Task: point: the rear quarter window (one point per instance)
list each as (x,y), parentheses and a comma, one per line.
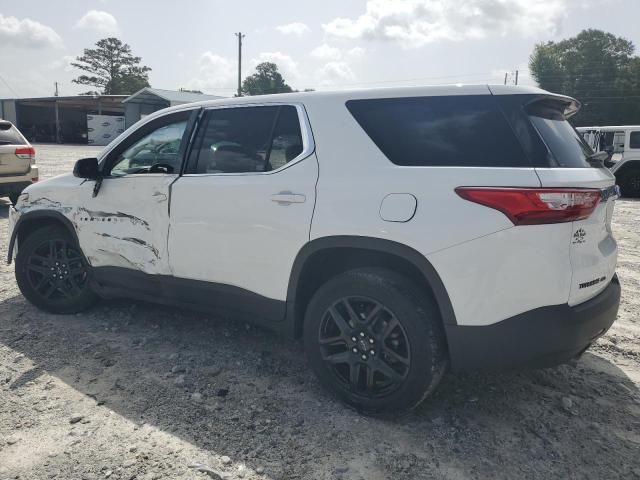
(460,131)
(566,146)
(9,135)
(634,140)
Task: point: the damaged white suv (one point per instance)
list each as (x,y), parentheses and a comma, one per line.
(398,231)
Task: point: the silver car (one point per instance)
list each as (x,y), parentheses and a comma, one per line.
(18,167)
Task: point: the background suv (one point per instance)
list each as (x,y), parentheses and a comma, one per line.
(17,162)
(397,231)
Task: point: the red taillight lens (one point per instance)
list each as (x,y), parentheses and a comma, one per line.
(26,153)
(536,206)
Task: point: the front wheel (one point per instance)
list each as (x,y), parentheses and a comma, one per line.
(375,340)
(51,272)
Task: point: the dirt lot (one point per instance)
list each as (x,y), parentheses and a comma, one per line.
(129,390)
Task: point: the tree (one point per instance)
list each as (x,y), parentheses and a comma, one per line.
(112,68)
(597,68)
(266,80)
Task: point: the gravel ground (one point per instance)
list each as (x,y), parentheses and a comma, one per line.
(130,390)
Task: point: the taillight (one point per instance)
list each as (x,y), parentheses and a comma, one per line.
(26,153)
(536,206)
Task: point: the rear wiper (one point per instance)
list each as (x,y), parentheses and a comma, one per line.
(597,159)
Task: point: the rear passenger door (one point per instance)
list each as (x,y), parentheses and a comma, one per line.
(242,210)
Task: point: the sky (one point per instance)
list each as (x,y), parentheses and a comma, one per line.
(328,44)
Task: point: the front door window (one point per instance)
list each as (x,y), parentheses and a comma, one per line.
(157,152)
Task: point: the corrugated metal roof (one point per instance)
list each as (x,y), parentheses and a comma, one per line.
(172,96)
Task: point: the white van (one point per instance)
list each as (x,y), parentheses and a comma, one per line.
(623,144)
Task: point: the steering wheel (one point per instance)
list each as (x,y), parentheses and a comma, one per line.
(155,168)
(161,168)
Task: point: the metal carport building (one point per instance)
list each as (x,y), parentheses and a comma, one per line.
(149,100)
(58,119)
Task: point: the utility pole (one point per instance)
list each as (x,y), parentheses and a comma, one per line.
(240,37)
(56,93)
(516,77)
(506,74)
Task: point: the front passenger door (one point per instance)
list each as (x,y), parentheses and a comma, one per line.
(126,224)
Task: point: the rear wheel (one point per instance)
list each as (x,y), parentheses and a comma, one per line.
(375,341)
(630,183)
(51,272)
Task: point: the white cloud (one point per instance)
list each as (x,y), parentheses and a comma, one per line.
(214,72)
(287,66)
(356,52)
(295,28)
(415,23)
(326,52)
(335,73)
(63,63)
(99,21)
(26,33)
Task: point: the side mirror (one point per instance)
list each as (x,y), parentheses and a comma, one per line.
(87,168)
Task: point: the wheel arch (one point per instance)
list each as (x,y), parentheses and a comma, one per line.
(31,221)
(325,257)
(626,166)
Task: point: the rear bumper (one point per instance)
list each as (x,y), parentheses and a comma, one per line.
(11,187)
(539,338)
(17,183)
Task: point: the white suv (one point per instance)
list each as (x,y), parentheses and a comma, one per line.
(398,231)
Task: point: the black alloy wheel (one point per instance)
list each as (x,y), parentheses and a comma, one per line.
(52,273)
(365,346)
(375,340)
(56,270)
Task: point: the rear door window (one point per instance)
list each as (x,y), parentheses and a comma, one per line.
(459,131)
(567,147)
(634,140)
(9,135)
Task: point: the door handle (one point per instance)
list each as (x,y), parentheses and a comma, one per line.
(287,198)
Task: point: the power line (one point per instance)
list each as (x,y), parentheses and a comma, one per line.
(9,86)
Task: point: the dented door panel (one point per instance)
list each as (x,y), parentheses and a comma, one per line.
(126,224)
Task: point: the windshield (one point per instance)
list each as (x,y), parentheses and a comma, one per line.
(567,146)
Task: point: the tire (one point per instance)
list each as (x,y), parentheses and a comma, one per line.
(399,353)
(14,197)
(47,253)
(630,183)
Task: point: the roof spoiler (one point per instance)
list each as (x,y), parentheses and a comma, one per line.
(571,105)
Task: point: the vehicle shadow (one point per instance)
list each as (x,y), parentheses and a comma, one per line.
(259,402)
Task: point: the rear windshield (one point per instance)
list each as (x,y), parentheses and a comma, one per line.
(459,131)
(566,145)
(9,135)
